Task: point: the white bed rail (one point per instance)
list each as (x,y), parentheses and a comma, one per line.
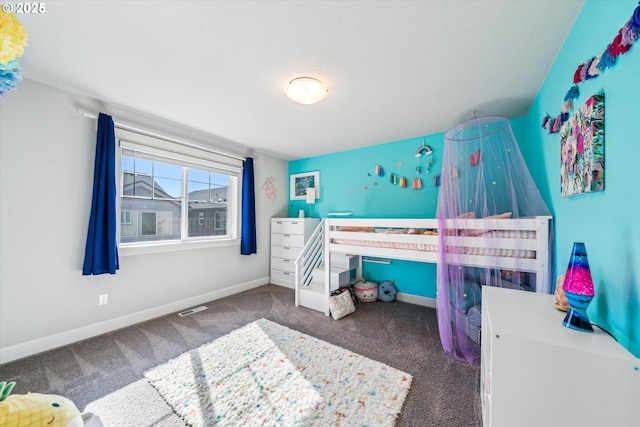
(338,241)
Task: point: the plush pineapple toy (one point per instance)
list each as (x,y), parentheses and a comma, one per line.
(34,409)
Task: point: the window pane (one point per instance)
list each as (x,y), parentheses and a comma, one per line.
(199,175)
(154,193)
(207,203)
(165,170)
(128,186)
(219,180)
(150,179)
(151,220)
(126,164)
(143,166)
(198,191)
(166,188)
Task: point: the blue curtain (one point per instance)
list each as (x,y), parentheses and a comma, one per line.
(248,236)
(101,252)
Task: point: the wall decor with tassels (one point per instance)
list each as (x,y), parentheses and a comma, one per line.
(594,67)
(424,151)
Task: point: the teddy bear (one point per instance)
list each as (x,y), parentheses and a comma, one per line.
(386,291)
(36,410)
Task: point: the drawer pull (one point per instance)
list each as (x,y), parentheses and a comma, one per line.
(287,235)
(286,272)
(286,247)
(286,260)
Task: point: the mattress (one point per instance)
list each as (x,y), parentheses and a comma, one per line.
(474,250)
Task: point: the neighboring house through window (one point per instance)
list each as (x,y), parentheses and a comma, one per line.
(173,193)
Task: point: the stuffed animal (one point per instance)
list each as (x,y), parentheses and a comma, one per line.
(561,298)
(386,291)
(36,410)
(366,291)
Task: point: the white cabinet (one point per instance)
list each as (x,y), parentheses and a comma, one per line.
(536,372)
(288,237)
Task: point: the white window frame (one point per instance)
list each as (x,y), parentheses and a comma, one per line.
(187,156)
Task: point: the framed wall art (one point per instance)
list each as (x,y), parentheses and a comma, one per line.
(300,182)
(582,149)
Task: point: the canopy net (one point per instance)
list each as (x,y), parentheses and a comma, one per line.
(483,175)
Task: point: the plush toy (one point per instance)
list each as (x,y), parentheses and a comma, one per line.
(561,298)
(386,291)
(366,291)
(35,409)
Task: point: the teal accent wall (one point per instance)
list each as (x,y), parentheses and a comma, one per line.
(348,183)
(608,222)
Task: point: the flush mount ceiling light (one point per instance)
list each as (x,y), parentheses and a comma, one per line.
(306,90)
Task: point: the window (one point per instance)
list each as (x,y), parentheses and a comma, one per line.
(169,196)
(128,223)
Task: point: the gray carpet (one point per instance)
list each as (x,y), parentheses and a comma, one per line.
(105,374)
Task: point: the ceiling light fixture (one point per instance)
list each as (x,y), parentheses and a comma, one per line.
(306,90)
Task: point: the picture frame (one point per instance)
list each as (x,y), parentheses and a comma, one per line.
(582,150)
(300,182)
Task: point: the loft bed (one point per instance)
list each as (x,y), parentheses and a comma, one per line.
(505,252)
(519,244)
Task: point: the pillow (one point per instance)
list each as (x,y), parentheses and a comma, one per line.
(479,232)
(500,216)
(355,228)
(467,215)
(341,305)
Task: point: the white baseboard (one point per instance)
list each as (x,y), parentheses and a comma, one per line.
(415,299)
(39,345)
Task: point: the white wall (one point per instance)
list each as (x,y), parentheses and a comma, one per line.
(46,174)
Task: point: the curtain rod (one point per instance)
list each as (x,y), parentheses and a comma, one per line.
(163,137)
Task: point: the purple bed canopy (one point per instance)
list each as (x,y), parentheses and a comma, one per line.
(483,175)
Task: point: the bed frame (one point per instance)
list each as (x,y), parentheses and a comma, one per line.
(412,246)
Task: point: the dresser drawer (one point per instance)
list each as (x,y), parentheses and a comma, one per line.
(284,264)
(286,278)
(288,252)
(296,240)
(287,226)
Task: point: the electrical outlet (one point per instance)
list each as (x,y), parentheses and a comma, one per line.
(103,299)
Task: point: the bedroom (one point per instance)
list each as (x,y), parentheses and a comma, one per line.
(40,275)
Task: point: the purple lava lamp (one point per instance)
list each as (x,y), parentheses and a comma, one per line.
(578,288)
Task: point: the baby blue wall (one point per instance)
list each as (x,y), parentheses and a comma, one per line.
(608,222)
(348,183)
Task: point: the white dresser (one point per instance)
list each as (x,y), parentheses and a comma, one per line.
(537,372)
(288,237)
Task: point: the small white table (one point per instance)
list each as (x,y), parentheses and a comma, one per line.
(537,372)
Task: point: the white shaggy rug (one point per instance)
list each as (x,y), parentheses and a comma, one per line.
(265,374)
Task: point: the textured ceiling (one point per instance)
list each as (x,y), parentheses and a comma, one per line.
(395,69)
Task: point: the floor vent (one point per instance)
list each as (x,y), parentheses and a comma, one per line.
(191,311)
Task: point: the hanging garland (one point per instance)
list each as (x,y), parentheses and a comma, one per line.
(13,39)
(395,179)
(620,45)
